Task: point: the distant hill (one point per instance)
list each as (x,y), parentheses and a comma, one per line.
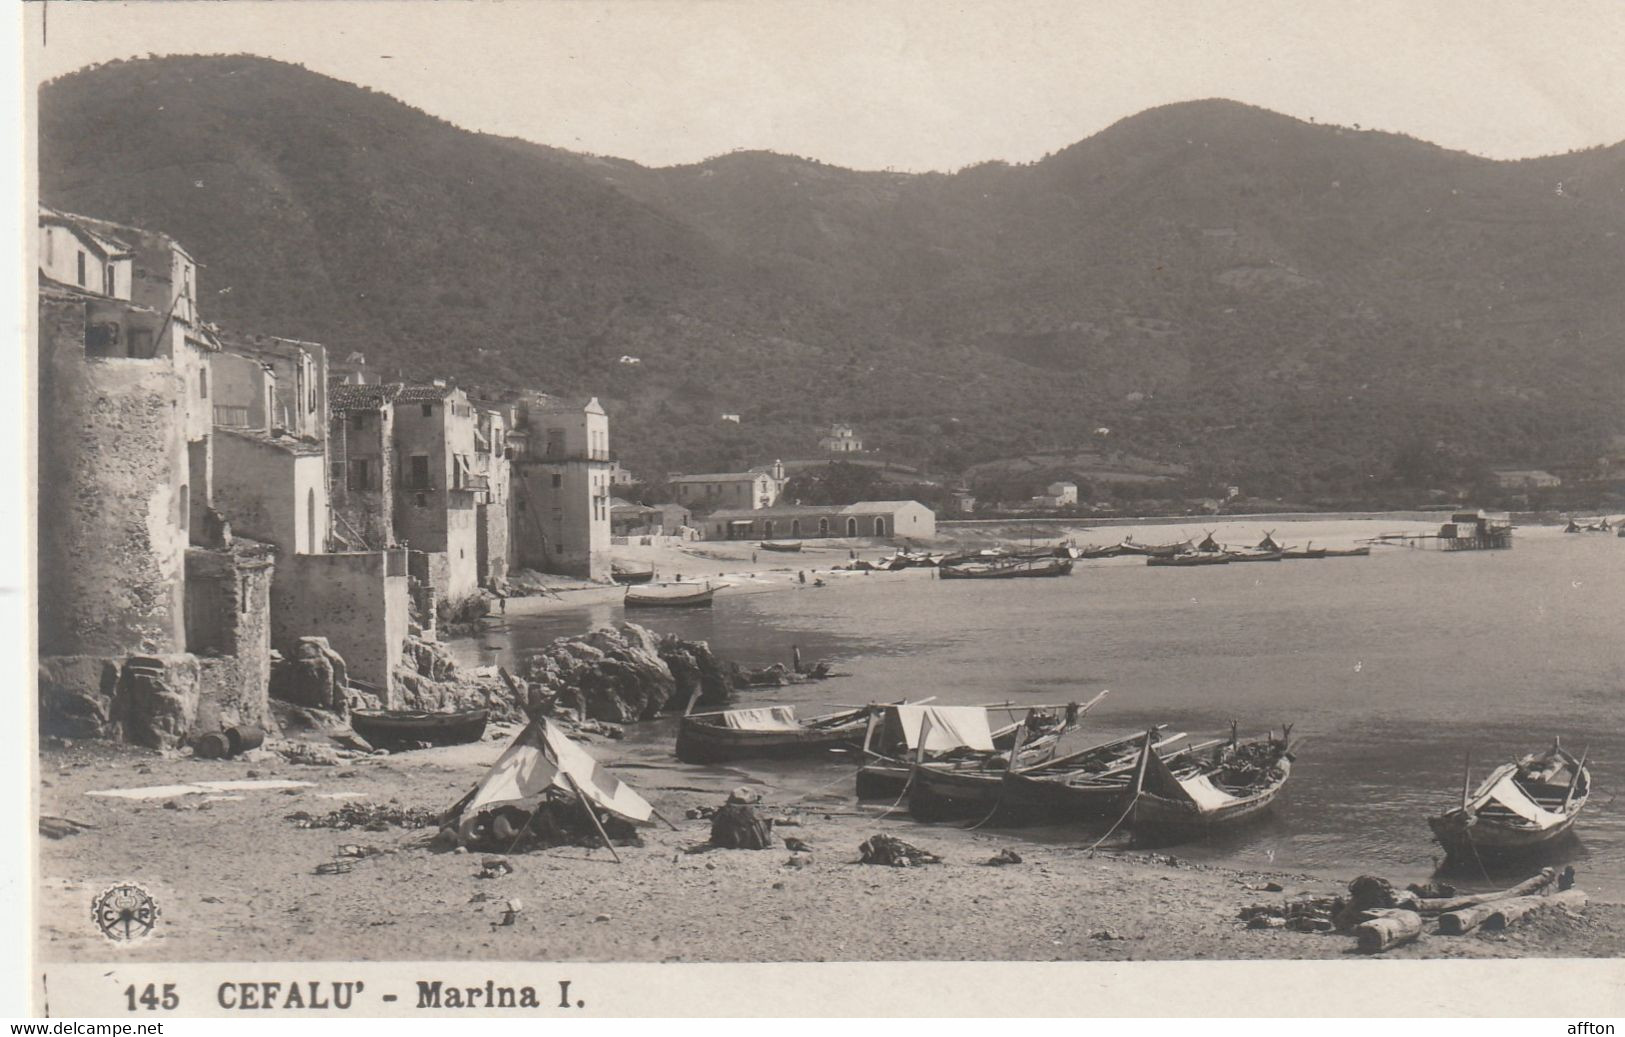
(1262,301)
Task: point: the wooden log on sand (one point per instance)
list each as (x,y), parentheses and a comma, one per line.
(1502,913)
(1528,887)
(1390,929)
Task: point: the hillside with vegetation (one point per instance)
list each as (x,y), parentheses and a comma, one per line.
(1234,294)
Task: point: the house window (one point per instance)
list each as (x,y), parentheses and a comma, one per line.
(420,471)
(423,500)
(81,270)
(242,595)
(107,279)
(851,527)
(428,410)
(558,481)
(880,527)
(203,382)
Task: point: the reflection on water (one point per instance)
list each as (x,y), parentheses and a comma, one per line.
(1391,668)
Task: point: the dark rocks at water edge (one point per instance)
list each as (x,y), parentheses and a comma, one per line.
(626,673)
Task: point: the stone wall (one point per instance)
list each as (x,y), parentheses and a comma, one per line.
(229,595)
(272,491)
(356,600)
(113,489)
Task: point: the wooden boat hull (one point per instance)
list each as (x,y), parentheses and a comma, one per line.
(1463,840)
(1303,553)
(1189,559)
(707,743)
(1101,552)
(1255,556)
(625,577)
(1025,569)
(887,777)
(1347,552)
(699,599)
(386,728)
(1162,819)
(780,545)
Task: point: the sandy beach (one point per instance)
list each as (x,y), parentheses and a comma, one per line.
(236,880)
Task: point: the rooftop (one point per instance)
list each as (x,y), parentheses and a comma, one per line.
(346,397)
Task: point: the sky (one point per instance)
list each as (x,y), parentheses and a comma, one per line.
(878,84)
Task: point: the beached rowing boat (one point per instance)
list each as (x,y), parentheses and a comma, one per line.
(630,576)
(670,595)
(1190,558)
(1006,569)
(1237,784)
(781,545)
(394,728)
(958,737)
(768,731)
(1085,785)
(1521,807)
(1129,546)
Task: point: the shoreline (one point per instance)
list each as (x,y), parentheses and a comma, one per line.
(237,882)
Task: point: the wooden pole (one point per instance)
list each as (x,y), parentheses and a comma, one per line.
(662,817)
(1528,887)
(1579,769)
(1390,930)
(1502,913)
(1467,780)
(592,815)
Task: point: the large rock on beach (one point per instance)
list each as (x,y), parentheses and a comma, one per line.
(428,677)
(159,696)
(613,674)
(314,676)
(78,696)
(695,668)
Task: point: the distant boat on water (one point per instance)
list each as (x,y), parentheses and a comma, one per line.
(670,595)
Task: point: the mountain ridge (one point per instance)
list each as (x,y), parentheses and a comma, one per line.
(1207,279)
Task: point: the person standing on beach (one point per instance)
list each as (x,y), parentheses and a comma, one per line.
(802,576)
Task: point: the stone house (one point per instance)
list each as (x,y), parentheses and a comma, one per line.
(436,486)
(885,520)
(561,486)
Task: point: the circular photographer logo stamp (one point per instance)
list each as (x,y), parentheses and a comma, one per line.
(124,913)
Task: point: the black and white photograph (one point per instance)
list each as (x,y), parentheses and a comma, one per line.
(654,483)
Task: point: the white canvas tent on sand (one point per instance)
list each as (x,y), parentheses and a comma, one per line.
(539,759)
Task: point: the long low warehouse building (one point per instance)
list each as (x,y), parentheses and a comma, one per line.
(886,519)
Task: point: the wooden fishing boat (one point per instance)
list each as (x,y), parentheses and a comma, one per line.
(781,545)
(1348,552)
(1254,555)
(1190,558)
(1006,569)
(630,576)
(1304,552)
(1129,546)
(888,759)
(1096,551)
(1520,808)
(1080,786)
(395,728)
(670,596)
(767,731)
(1238,783)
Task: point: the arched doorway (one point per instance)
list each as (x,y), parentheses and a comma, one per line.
(880,527)
(823,527)
(851,527)
(795,527)
(767,529)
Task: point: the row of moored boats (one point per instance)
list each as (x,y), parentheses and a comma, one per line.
(959,763)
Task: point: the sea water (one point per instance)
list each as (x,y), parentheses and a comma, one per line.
(1391,668)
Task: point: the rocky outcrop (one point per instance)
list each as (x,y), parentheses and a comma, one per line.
(606,674)
(159,696)
(78,696)
(623,674)
(314,676)
(696,668)
(429,678)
